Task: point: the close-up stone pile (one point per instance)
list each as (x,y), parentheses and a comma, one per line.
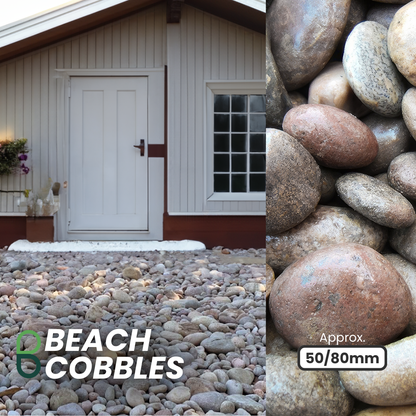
(341,195)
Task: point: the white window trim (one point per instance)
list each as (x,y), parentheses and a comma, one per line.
(225,87)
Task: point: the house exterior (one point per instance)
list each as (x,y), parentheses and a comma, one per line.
(150,115)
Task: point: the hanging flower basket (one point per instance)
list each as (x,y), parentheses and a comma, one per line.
(13,154)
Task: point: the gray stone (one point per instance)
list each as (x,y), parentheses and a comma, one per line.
(324,227)
(60,310)
(218,346)
(77,292)
(70,409)
(292,391)
(241,375)
(375,200)
(87,270)
(134,397)
(402,174)
(370,71)
(209,401)
(179,395)
(293,186)
(246,403)
(61,397)
(17,265)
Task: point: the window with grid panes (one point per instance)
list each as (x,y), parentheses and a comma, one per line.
(239,143)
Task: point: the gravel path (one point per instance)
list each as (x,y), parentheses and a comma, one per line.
(207,307)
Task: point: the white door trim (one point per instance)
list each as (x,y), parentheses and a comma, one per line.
(156,80)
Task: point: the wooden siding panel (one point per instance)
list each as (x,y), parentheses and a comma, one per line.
(27,117)
(44,118)
(99,48)
(52,124)
(19,180)
(3,131)
(211,49)
(10,131)
(199,113)
(190,104)
(183,119)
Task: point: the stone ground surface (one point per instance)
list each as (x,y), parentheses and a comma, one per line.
(208,307)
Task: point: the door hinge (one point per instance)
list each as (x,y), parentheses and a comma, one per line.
(69,89)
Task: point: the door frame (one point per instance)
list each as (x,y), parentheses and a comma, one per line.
(156,136)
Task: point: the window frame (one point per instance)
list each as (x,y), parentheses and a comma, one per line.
(232,88)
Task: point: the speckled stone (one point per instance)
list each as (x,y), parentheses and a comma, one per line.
(393,138)
(303,38)
(383,178)
(383,13)
(395,385)
(388,411)
(278,102)
(335,138)
(409,110)
(324,227)
(402,174)
(370,71)
(408,272)
(375,200)
(270,278)
(328,180)
(331,87)
(294,392)
(297,98)
(401,41)
(341,289)
(293,185)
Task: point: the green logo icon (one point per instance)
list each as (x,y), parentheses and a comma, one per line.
(20,355)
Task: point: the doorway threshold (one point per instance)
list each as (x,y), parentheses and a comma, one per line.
(120,246)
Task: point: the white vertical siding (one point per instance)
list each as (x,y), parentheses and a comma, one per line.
(29,94)
(203,48)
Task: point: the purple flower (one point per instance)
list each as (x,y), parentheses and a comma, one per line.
(23,157)
(24,168)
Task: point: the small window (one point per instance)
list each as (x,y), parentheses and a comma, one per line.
(239,143)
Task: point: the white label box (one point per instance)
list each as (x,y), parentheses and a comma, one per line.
(342,357)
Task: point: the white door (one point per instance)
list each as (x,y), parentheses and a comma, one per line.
(108,186)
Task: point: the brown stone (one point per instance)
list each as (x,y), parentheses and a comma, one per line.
(293,186)
(294,392)
(388,411)
(328,179)
(401,41)
(383,13)
(402,174)
(303,38)
(345,289)
(408,271)
(375,200)
(357,13)
(278,102)
(324,227)
(297,98)
(269,280)
(334,137)
(393,138)
(409,110)
(331,87)
(395,385)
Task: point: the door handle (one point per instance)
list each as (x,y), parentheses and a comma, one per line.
(141,147)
